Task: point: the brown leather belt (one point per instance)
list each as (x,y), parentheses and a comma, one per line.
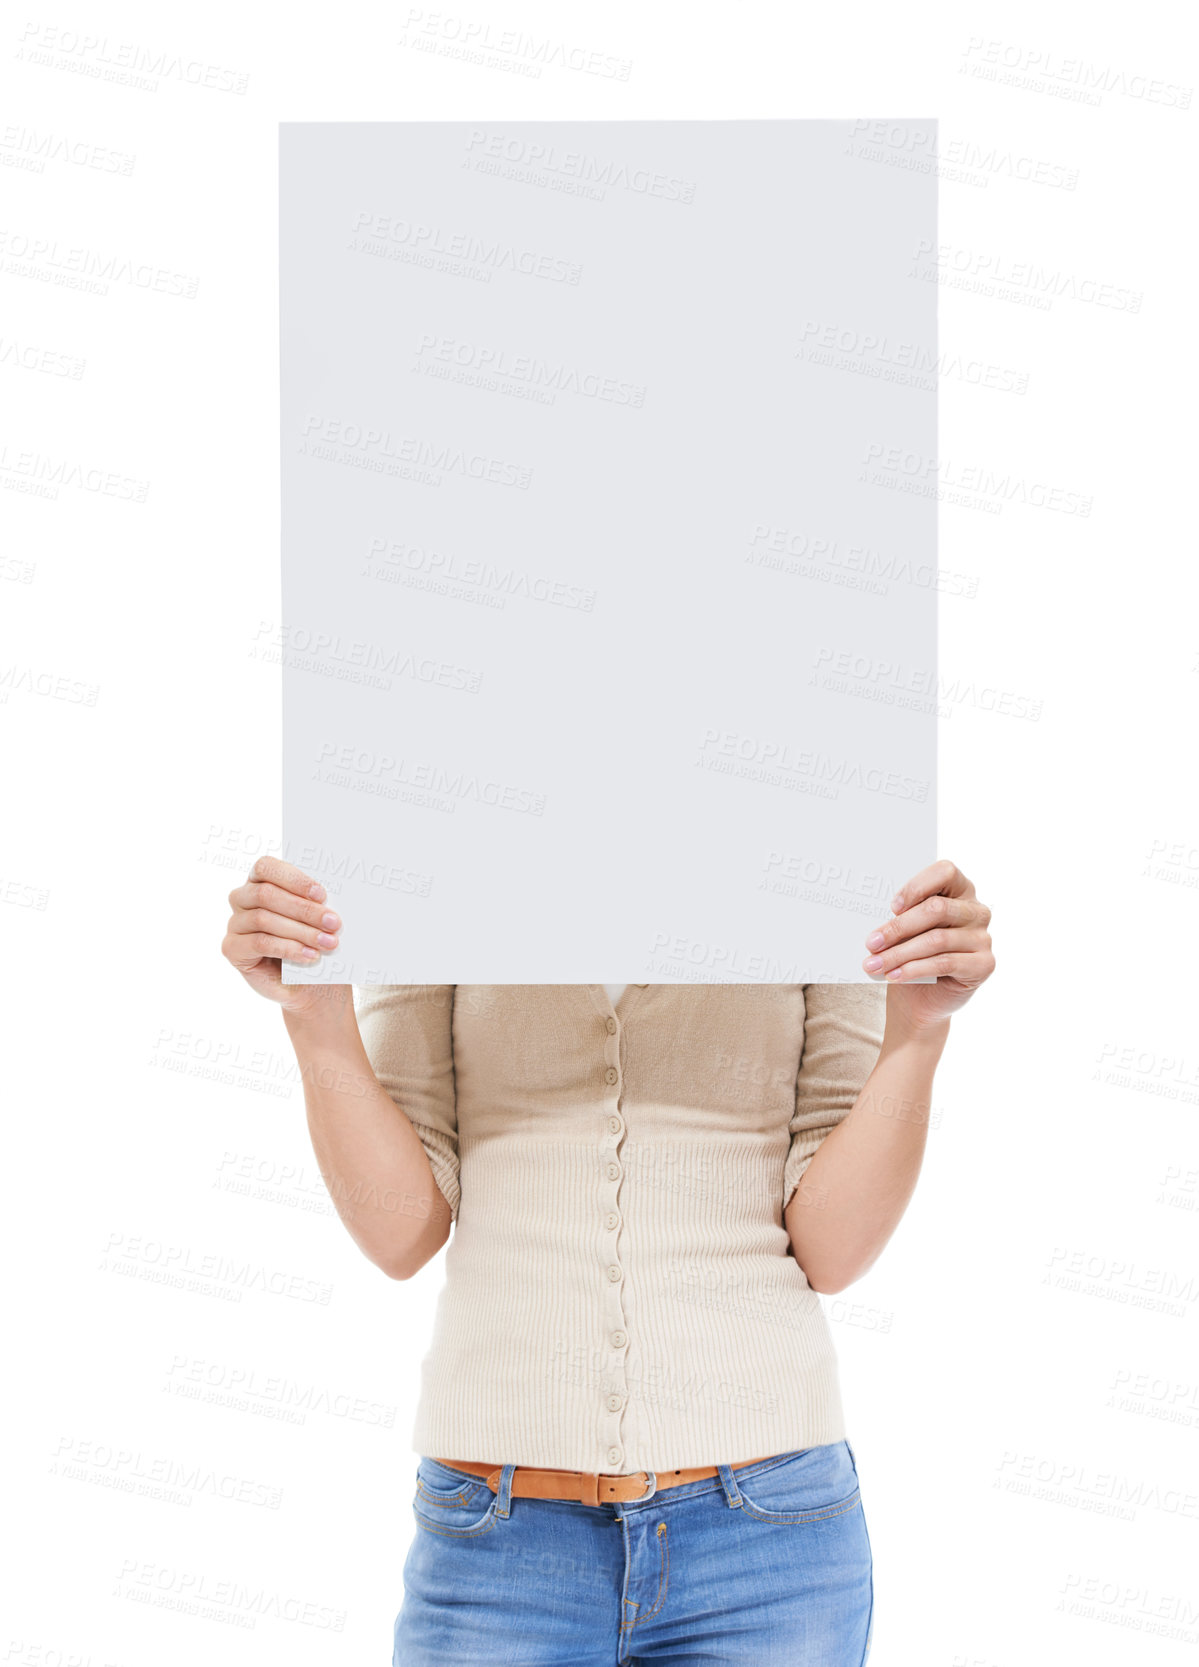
(588,1487)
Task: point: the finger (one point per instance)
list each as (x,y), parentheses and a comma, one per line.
(246,949)
(970,968)
(265,894)
(922,917)
(943,876)
(287,875)
(942,940)
(265,920)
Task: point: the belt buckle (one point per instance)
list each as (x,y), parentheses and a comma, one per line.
(644,1475)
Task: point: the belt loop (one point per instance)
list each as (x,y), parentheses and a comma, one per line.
(729,1482)
(503,1493)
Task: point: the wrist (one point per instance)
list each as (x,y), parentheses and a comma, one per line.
(325,1024)
(918,1038)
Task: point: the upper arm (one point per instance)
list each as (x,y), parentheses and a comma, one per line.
(843,1031)
(407,1031)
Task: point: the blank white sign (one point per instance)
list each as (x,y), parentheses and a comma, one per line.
(609,545)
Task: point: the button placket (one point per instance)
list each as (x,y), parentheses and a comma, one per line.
(612,1389)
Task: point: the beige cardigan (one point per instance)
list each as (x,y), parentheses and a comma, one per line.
(620,1292)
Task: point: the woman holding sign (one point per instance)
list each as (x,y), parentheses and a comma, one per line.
(631,1441)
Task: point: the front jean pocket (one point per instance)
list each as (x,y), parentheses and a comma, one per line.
(455,1505)
(812,1484)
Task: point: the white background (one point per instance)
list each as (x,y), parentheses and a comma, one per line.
(1021,1369)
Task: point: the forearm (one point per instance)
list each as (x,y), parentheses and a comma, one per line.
(372,1160)
(857,1187)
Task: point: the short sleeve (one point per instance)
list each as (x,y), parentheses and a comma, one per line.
(407,1031)
(843,1032)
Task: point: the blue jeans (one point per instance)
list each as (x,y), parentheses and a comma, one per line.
(765,1564)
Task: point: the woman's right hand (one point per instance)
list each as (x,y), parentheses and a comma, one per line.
(281,914)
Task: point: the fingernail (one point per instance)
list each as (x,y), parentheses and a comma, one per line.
(325,940)
(317,892)
(875,941)
(330,921)
(896,972)
(897,903)
(308,954)
(874,963)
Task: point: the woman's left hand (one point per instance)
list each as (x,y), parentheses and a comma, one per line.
(940,928)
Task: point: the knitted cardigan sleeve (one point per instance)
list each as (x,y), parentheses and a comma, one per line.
(843,1031)
(407,1031)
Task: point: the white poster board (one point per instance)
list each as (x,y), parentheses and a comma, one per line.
(609,545)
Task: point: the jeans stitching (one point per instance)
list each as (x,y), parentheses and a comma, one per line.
(448,1499)
(663,1577)
(799,1517)
(458,1533)
(458,1501)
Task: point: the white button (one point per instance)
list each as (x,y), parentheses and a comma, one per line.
(611,1219)
(614,1403)
(611,1023)
(614,1273)
(618,1339)
(611,1074)
(613,1171)
(614,1455)
(614,1124)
